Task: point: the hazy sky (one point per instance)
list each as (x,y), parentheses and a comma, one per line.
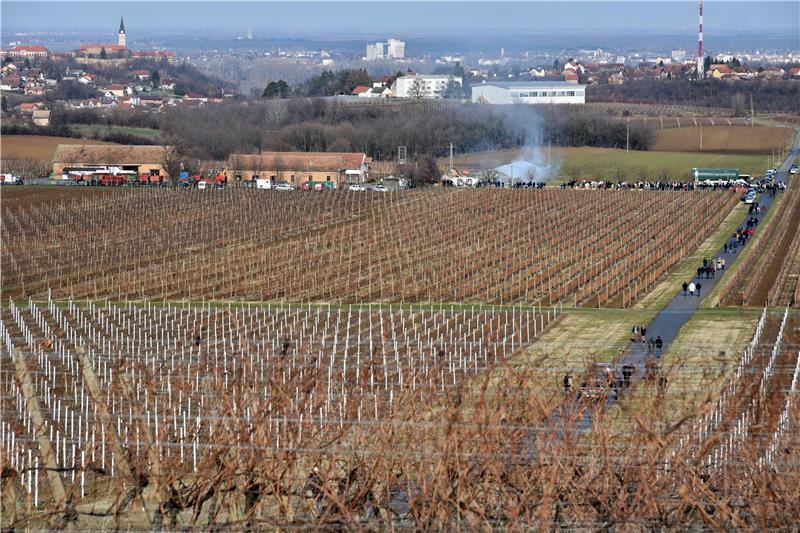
(407,18)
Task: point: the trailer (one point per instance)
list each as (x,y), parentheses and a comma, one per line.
(718,176)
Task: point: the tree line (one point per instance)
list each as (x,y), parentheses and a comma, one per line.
(425,129)
(767,95)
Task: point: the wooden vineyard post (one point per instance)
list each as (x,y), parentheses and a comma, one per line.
(97,395)
(32,404)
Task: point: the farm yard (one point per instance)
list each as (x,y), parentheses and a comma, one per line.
(246,359)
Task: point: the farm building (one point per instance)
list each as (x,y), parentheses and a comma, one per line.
(300,167)
(529,92)
(86,158)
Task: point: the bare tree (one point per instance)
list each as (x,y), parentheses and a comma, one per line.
(417,89)
(172,162)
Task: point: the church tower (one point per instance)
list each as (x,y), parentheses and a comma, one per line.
(121,40)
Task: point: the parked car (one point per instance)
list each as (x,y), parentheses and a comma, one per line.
(793,169)
(358,188)
(283,187)
(11,179)
(380,188)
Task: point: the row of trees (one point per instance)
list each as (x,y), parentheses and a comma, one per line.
(767,95)
(214,132)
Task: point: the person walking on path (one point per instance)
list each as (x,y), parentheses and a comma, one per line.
(685,287)
(691,289)
(567,382)
(659,346)
(698,287)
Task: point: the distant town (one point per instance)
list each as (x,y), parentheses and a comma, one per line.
(123,76)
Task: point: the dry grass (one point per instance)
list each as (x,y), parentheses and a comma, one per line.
(40,147)
(724,139)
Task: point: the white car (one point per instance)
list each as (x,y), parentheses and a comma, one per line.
(380,188)
(793,169)
(283,187)
(358,188)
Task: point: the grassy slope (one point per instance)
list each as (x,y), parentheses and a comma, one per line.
(579,338)
(696,365)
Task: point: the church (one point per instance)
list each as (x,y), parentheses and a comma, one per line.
(112,50)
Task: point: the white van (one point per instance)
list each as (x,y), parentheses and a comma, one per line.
(262,183)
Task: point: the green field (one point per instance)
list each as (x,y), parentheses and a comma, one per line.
(90,130)
(615,164)
(611,164)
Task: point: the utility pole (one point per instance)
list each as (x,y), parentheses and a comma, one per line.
(701,137)
(627,136)
(752,116)
(451,158)
(548,154)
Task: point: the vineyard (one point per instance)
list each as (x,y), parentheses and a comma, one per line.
(770,273)
(248,360)
(209,416)
(581,248)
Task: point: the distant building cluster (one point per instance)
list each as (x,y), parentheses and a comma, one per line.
(392,49)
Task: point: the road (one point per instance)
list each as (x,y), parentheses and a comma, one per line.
(681,308)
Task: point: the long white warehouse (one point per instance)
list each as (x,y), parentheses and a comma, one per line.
(529,92)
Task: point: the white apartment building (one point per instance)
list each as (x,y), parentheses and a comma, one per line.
(427,86)
(679,55)
(397,49)
(393,49)
(375,51)
(529,92)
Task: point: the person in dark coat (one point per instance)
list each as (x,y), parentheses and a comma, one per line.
(685,287)
(659,345)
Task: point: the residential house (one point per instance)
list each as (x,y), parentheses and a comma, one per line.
(28,108)
(362,91)
(115,90)
(87,79)
(381,92)
(720,71)
(141,75)
(41,117)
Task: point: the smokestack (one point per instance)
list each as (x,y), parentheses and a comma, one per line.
(700,60)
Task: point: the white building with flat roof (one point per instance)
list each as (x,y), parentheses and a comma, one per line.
(375,51)
(396,49)
(529,92)
(393,49)
(428,86)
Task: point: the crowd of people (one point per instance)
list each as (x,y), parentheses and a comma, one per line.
(648,185)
